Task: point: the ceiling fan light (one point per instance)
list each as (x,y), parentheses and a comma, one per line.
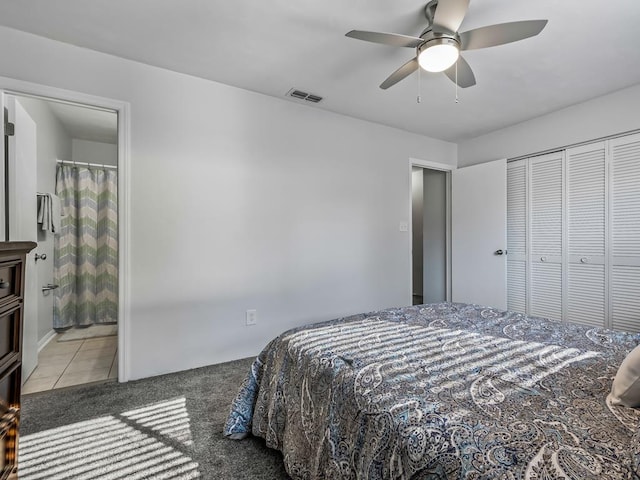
(438,55)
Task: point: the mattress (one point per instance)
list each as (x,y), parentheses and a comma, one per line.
(441,391)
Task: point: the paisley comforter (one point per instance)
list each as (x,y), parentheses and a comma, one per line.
(441,391)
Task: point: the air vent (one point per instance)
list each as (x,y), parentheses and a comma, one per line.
(300,95)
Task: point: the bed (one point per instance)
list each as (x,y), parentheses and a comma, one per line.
(442,391)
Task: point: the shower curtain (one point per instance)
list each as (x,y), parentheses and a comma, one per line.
(86,250)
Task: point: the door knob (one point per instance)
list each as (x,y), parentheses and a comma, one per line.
(500,252)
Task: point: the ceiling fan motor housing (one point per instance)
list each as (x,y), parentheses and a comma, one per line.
(432,38)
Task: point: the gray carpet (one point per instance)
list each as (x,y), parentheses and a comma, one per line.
(117,426)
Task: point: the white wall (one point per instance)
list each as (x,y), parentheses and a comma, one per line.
(53,143)
(242,201)
(607,115)
(94,152)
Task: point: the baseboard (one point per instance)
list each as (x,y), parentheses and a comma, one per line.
(46,339)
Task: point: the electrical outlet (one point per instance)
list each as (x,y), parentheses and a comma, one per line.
(404,226)
(252,317)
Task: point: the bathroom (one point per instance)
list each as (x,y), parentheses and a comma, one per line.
(70,337)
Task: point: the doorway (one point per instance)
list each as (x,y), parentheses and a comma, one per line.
(71,336)
(431,233)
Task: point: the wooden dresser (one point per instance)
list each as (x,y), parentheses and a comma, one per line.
(12,268)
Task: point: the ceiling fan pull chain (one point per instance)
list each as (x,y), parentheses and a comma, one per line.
(457,82)
(419,98)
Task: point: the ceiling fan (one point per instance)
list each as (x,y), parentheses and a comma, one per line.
(438,47)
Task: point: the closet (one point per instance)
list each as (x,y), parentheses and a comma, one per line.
(573,234)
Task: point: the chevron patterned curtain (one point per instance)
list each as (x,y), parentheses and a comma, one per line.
(86,250)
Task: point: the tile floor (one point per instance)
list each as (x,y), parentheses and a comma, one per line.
(62,364)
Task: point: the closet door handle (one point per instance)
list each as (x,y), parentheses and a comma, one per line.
(500,252)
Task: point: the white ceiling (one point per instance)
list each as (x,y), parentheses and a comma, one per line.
(86,123)
(588,49)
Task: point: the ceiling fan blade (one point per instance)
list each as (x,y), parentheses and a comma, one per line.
(466,78)
(393,39)
(500,34)
(404,71)
(449,15)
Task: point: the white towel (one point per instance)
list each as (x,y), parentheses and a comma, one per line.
(43,210)
(49,212)
(40,210)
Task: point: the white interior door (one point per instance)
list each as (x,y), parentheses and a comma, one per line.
(625,234)
(546,278)
(586,212)
(478,231)
(517,284)
(22,219)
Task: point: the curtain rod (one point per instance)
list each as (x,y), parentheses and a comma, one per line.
(572,145)
(85,164)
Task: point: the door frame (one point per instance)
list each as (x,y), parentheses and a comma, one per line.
(428,164)
(10,86)
(21,161)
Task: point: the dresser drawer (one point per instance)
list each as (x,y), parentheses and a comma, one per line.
(10,282)
(9,390)
(10,336)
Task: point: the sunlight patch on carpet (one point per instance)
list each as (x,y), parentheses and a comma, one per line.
(109,448)
(169,419)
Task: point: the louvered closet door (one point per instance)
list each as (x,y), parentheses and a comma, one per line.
(545,285)
(625,233)
(517,236)
(586,213)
